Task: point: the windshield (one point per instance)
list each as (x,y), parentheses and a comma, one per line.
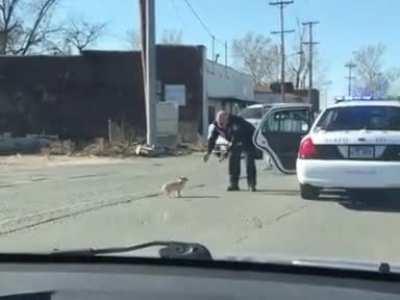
(364,117)
(108,136)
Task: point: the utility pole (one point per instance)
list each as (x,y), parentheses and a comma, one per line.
(282,32)
(150,71)
(213,48)
(350,78)
(311,45)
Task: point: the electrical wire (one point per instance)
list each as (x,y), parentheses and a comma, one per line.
(206,28)
(203,24)
(176,10)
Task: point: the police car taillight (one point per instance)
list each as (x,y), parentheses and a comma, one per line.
(307,149)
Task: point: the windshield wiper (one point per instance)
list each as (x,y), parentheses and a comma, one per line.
(383,267)
(169,250)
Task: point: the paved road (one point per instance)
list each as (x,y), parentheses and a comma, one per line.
(64,206)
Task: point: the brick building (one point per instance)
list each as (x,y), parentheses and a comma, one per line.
(75,96)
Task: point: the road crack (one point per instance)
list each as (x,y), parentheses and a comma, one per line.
(33,220)
(258,224)
(289,213)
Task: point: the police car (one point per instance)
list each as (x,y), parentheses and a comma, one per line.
(254,113)
(352,145)
(280,132)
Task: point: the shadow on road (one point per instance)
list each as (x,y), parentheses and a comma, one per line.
(378,201)
(199,197)
(279,192)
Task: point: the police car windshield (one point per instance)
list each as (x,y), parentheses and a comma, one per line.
(360,117)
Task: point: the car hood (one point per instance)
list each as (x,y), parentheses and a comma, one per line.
(365,137)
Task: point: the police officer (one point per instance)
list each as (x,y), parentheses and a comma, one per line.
(239,133)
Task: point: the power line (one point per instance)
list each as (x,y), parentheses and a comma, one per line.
(176,10)
(214,39)
(203,24)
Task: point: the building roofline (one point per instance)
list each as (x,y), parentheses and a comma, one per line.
(97,51)
(228,67)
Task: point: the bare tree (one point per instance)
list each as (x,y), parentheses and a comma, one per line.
(25,25)
(321,71)
(172,37)
(81,34)
(372,78)
(297,62)
(257,55)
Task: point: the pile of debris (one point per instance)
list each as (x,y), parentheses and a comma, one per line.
(154,151)
(192,147)
(59,148)
(100,147)
(122,149)
(196,145)
(97,148)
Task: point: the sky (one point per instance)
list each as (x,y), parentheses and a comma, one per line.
(345,25)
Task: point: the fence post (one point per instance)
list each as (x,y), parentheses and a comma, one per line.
(110,131)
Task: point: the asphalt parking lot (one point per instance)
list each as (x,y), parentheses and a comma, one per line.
(94,202)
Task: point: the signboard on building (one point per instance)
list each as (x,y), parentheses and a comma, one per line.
(176,94)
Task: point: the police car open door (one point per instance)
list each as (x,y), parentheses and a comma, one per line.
(280,133)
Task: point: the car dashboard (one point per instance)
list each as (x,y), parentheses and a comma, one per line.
(106,278)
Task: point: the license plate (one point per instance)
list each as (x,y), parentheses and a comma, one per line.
(358,152)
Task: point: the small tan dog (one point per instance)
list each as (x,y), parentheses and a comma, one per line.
(174,187)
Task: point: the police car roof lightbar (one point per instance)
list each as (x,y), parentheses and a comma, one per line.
(353,98)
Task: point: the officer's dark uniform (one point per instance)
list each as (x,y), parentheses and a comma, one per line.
(239,133)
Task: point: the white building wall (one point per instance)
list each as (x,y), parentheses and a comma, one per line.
(226,82)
